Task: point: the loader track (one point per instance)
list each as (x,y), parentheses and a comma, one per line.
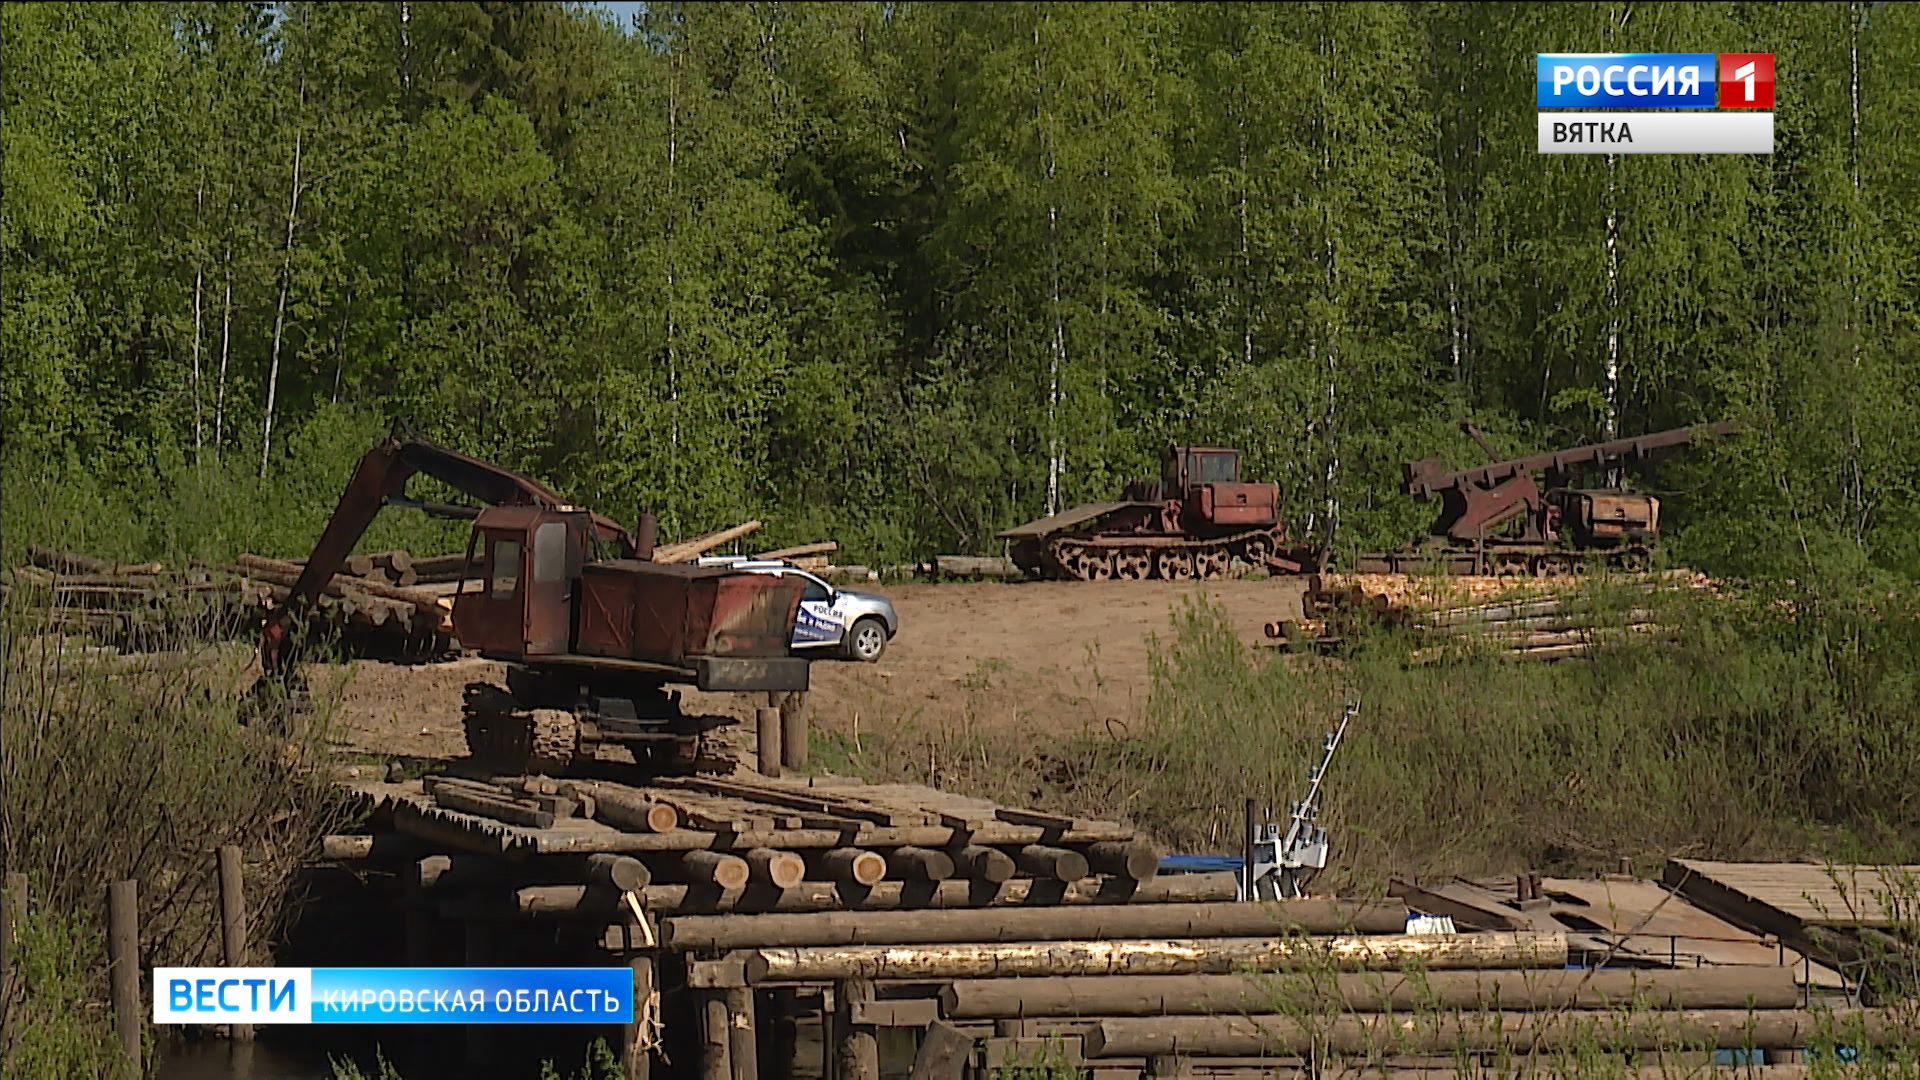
(1504,561)
(511,737)
(1100,558)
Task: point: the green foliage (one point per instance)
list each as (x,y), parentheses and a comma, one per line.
(908,274)
(58,1025)
(139,769)
(1775,725)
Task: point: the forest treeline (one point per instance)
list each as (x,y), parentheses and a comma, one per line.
(905,274)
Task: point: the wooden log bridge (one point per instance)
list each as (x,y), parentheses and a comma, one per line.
(1255,1036)
(1369,992)
(1195,920)
(1212,956)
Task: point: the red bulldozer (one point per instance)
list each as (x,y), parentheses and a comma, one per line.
(1193,522)
(591,630)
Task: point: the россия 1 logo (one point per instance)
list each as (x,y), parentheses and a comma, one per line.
(1680,103)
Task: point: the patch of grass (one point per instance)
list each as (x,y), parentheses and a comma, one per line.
(140,768)
(1778,725)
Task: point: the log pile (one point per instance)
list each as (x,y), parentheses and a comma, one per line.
(134,608)
(817,558)
(750,906)
(148,607)
(1519,619)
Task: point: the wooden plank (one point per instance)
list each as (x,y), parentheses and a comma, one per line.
(901,1012)
(943,1055)
(824,547)
(834,805)
(1035,819)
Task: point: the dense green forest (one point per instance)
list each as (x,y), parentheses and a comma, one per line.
(905,274)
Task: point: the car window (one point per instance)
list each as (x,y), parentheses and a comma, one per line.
(815,591)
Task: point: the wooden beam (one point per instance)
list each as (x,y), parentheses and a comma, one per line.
(1476,991)
(1162,957)
(987,925)
(1496,1033)
(820,896)
(943,1055)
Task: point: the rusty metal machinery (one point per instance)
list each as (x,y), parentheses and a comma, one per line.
(1194,522)
(1497,519)
(592,630)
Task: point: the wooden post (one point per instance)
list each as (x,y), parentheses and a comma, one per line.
(636,1047)
(123,966)
(793,731)
(13,908)
(780,1030)
(767,724)
(715,1039)
(233,921)
(743,1048)
(856,1049)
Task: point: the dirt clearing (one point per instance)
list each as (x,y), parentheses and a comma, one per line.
(1057,656)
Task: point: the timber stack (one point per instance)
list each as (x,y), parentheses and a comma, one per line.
(146,607)
(1518,619)
(953,938)
(133,607)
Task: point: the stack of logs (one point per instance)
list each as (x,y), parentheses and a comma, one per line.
(135,607)
(986,938)
(1559,625)
(387,604)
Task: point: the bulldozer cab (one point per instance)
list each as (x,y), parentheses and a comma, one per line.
(522,604)
(1183,467)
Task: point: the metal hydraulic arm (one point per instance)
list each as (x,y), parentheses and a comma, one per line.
(382,476)
(1476,501)
(1428,477)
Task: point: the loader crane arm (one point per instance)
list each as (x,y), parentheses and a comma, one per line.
(382,475)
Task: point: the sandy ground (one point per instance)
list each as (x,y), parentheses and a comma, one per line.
(1065,655)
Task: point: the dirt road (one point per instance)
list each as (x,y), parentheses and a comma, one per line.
(1061,655)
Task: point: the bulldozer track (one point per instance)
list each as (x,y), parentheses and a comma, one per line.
(1100,558)
(1514,561)
(512,737)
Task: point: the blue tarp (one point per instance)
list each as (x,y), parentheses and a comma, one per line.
(1199,864)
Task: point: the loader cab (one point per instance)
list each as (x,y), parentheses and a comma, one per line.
(1183,467)
(521,604)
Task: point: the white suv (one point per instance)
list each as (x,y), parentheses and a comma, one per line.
(857,625)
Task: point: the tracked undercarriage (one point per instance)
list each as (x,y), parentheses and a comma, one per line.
(541,724)
(1496,559)
(1140,558)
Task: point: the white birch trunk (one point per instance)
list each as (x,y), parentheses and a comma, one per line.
(286,283)
(226,351)
(1857,482)
(1332,479)
(1057,353)
(1610,423)
(199,310)
(673,326)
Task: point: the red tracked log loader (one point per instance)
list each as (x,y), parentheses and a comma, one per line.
(593,631)
(1496,519)
(1191,523)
